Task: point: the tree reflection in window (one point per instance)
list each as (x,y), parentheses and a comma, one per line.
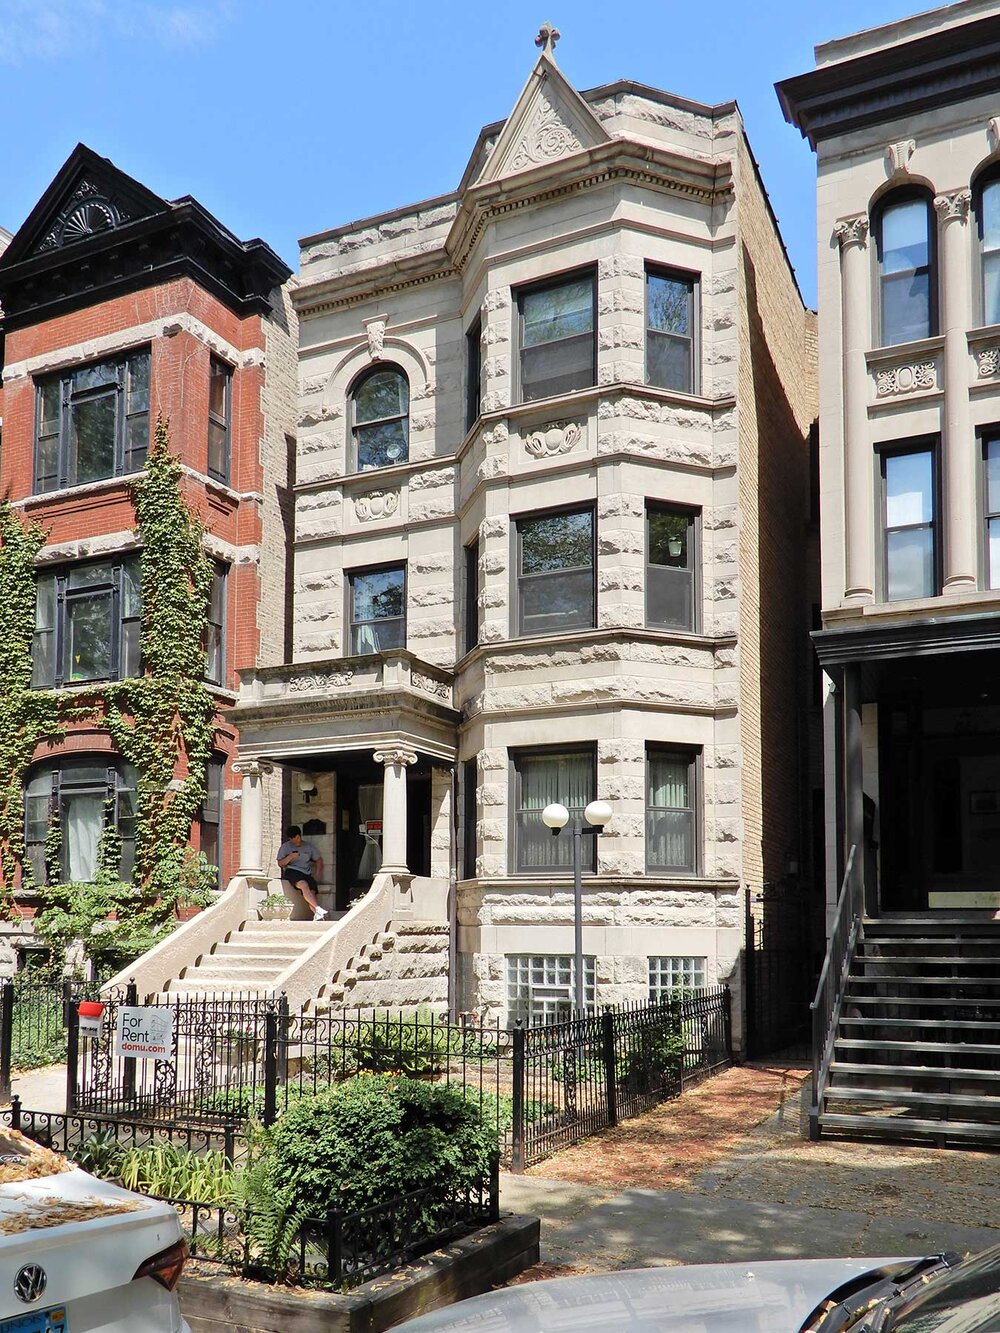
(555,572)
(87,623)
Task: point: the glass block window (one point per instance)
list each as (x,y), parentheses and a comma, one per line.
(675,972)
(557,346)
(540,987)
(380,406)
(92,423)
(541,778)
(670,331)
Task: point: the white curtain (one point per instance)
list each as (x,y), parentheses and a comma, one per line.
(84,816)
(370,807)
(566,778)
(670,822)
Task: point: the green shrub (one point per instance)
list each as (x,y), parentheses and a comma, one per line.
(169,1172)
(37,1033)
(101,1154)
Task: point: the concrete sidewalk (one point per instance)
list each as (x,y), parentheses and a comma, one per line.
(770,1195)
(42,1089)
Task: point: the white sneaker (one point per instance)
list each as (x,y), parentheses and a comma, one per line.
(319,913)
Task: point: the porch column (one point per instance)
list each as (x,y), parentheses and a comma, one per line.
(859,501)
(396,759)
(854,779)
(959,463)
(253,771)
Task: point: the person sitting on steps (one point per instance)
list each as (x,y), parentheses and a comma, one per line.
(301,866)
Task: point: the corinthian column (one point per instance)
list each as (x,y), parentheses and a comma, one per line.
(253,772)
(958,512)
(859,502)
(396,759)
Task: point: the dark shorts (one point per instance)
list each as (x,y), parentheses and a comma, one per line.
(296,877)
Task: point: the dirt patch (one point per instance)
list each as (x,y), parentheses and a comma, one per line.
(669,1146)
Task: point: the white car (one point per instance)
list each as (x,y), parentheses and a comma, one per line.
(78,1255)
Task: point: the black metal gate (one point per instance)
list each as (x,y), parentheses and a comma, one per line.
(784,952)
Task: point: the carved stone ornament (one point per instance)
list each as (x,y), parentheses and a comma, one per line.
(906,379)
(898,156)
(375,329)
(956,205)
(375,504)
(253,768)
(87,211)
(395,754)
(852,231)
(440,688)
(988,361)
(993,131)
(547,37)
(559,438)
(319,681)
(545,138)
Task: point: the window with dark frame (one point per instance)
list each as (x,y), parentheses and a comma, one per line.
(557,346)
(555,572)
(991,508)
(380,410)
(670,331)
(220,410)
(471,596)
(988,223)
(92,422)
(215,629)
(81,797)
(377,609)
(905,241)
(910,528)
(211,815)
(541,777)
(671,810)
(670,567)
(473,372)
(469,812)
(86,623)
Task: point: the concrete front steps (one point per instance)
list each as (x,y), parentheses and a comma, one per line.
(251,958)
(405,966)
(917,1054)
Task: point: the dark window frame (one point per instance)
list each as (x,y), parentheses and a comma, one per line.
(470,811)
(216,630)
(987,435)
(693,282)
(517,520)
(369,372)
(695,807)
(907,195)
(223,423)
(124,457)
(211,816)
(472,625)
(350,575)
(589,273)
(896,449)
(112,788)
(588,852)
(693,516)
(64,599)
(473,372)
(990,176)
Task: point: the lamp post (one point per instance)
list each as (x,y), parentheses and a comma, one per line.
(556,817)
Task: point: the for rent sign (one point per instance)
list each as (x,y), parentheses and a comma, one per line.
(144,1033)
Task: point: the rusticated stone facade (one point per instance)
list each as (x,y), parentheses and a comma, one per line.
(616,183)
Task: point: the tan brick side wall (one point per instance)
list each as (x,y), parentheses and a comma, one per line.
(777,404)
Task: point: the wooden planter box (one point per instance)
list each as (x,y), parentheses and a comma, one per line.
(477,1263)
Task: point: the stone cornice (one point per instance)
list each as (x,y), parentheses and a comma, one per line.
(926,637)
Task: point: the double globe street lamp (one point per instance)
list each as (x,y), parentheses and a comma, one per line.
(595,818)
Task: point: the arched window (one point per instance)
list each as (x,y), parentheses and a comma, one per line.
(81,797)
(905,240)
(380,408)
(988,221)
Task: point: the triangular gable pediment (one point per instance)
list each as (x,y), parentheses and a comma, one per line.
(87,197)
(550,121)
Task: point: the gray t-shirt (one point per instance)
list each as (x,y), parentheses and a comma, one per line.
(306,858)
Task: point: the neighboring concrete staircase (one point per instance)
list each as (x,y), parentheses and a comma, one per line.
(917,1050)
(405,966)
(249,959)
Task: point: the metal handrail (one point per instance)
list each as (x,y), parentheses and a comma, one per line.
(825,1007)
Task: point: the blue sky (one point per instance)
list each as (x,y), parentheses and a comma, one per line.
(285,117)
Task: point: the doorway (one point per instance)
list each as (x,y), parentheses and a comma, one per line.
(359,825)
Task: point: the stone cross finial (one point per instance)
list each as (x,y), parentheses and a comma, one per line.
(547,37)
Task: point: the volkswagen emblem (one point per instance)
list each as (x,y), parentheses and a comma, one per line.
(30,1283)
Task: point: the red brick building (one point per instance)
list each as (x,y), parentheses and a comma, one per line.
(119,306)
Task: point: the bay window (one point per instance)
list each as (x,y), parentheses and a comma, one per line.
(557,348)
(555,572)
(670,567)
(541,777)
(671,811)
(670,331)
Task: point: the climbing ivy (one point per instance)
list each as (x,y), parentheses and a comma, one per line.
(162,723)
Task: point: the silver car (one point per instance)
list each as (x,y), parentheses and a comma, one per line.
(937,1294)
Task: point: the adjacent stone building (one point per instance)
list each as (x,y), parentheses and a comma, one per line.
(551,498)
(118,307)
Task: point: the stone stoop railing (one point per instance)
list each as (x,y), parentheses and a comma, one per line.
(351,962)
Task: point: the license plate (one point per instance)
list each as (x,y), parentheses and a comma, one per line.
(40,1321)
